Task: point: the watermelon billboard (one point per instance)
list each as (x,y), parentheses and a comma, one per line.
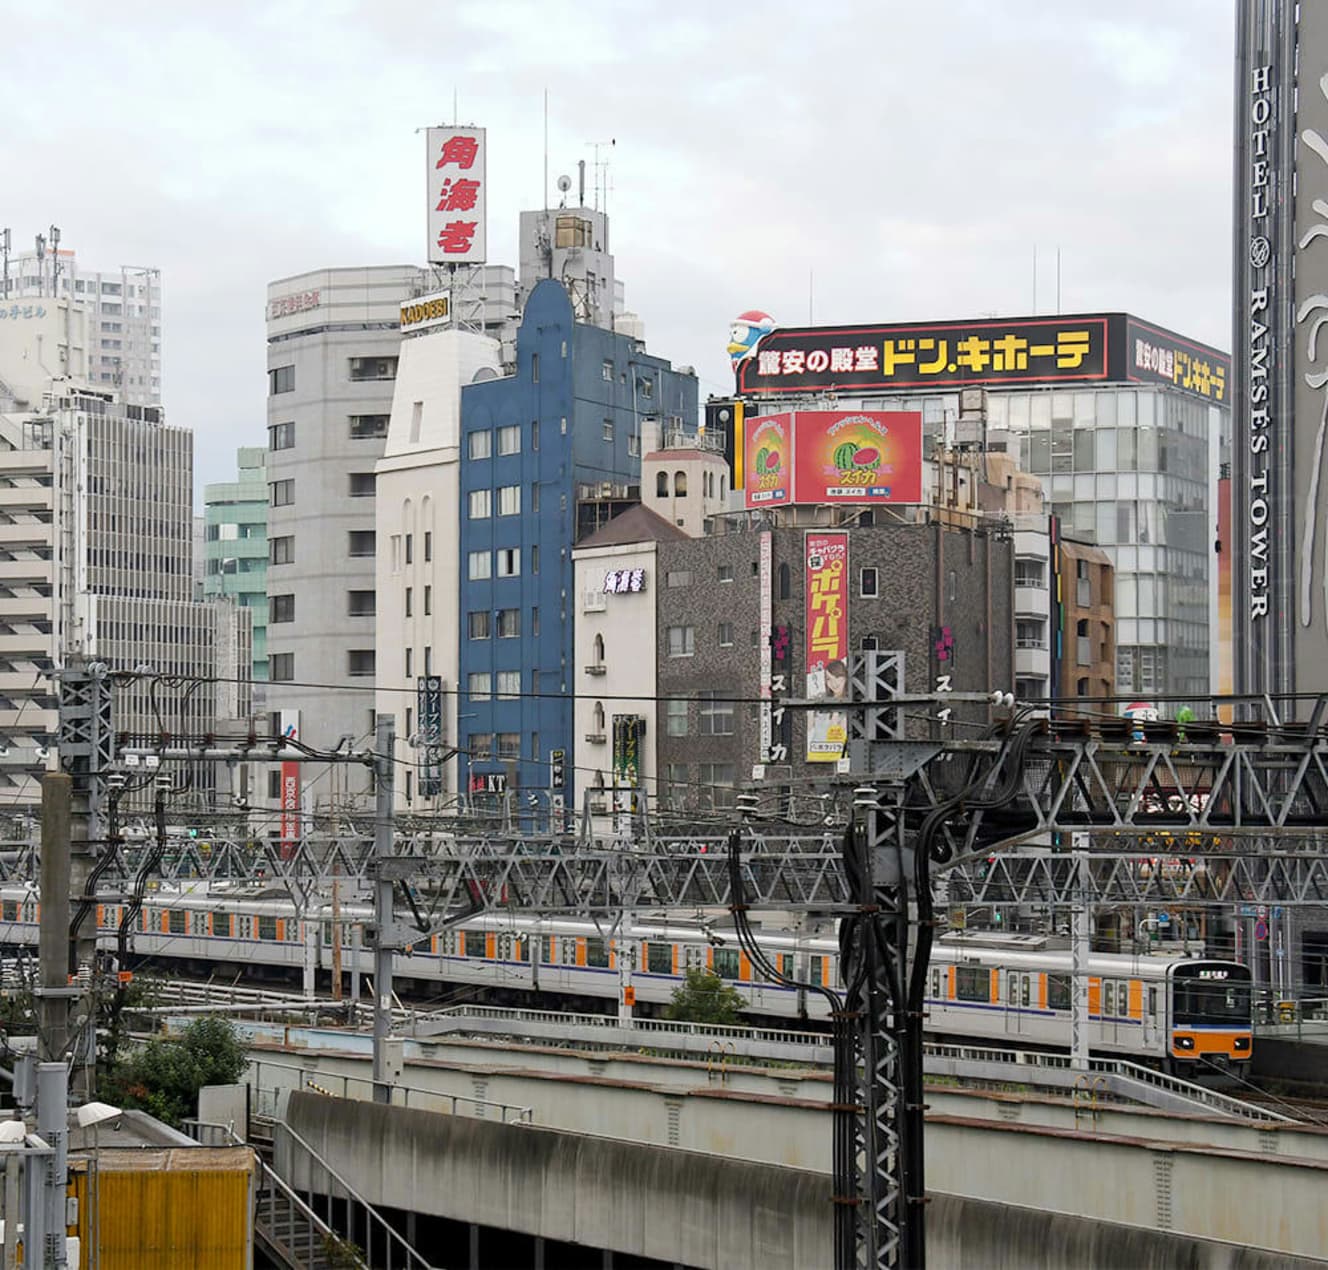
(833,456)
(857,456)
(768,460)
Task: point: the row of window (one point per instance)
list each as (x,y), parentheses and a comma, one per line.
(282,493)
(281,550)
(712,788)
(479,445)
(482,746)
(480,684)
(281,608)
(480,504)
(281,436)
(281,666)
(282,378)
(505,623)
(480,564)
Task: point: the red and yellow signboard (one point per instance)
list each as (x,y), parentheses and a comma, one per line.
(768,459)
(833,456)
(857,456)
(827,643)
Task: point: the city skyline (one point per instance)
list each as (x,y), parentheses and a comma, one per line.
(226,183)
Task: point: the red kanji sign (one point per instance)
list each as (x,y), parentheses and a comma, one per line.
(456,179)
(457,196)
(456,236)
(460,150)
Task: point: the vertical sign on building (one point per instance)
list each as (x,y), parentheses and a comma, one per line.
(826,583)
(429,712)
(290,808)
(1310,359)
(1265,448)
(765,623)
(456,185)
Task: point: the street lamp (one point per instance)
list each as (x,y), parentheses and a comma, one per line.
(91,1115)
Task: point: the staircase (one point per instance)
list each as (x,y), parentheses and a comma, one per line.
(296,1226)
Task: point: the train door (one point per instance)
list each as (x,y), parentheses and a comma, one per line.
(1018,996)
(1151,1022)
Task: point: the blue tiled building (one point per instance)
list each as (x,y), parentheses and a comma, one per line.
(539,450)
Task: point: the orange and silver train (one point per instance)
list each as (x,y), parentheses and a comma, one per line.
(1189,1014)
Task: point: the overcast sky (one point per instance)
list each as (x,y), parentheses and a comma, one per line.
(909,157)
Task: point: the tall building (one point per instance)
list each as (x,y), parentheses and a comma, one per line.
(235,547)
(334,338)
(95,559)
(540,449)
(123,308)
(1118,418)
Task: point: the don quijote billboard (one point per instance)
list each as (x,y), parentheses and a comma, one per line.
(833,456)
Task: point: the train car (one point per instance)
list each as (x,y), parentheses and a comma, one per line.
(1186,1014)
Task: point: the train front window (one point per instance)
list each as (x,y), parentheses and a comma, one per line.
(1211,994)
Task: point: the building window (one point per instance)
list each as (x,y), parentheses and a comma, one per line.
(373,368)
(534,622)
(678,577)
(481,746)
(479,685)
(509,745)
(509,623)
(509,500)
(410,661)
(606,372)
(716,714)
(509,439)
(681,641)
(534,558)
(410,548)
(281,379)
(428,545)
(477,623)
(509,562)
(410,596)
(281,550)
(534,497)
(478,443)
(597,651)
(726,634)
(361,603)
(608,429)
(509,684)
(680,484)
(480,504)
(675,716)
(281,436)
(360,662)
(1081,687)
(634,445)
(428,601)
(726,573)
(280,608)
(1029,573)
(784,582)
(534,368)
(363,427)
(1029,634)
(867,584)
(534,435)
(716,782)
(281,493)
(281,667)
(361,485)
(661,485)
(479,565)
(428,659)
(360,542)
(676,776)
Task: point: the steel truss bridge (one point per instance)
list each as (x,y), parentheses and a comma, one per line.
(1034,813)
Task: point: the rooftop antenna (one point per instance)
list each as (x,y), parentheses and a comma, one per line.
(4,253)
(601,170)
(565,184)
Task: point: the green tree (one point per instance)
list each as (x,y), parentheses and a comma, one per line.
(164,1076)
(704,997)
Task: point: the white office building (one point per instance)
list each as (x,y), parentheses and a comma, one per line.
(123,315)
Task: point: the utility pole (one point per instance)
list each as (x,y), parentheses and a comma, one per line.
(53,990)
(384,758)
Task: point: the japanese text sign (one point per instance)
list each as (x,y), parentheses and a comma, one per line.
(826,582)
(1017,351)
(456,189)
(1156,356)
(624,581)
(768,459)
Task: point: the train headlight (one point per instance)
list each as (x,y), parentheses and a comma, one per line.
(1241,1043)
(1184,1042)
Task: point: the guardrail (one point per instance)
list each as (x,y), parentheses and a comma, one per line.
(272,1082)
